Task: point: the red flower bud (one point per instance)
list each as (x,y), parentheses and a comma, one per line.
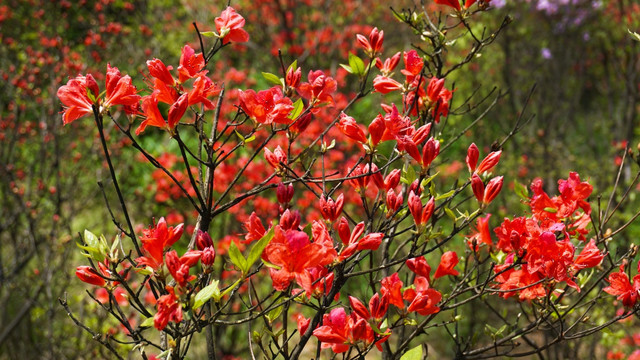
(477,186)
(177,110)
(429,152)
(489,162)
(472,157)
(208,256)
(376,130)
(492,190)
(301,124)
(89,275)
(384,85)
(203,240)
(343,230)
(293,77)
(406,144)
(370,241)
(276,157)
(415,207)
(290,220)
(421,134)
(329,209)
(393,179)
(415,187)
(284,193)
(350,127)
(393,202)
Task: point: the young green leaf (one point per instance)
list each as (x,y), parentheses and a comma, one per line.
(258,248)
(272,78)
(413,354)
(210,291)
(237,259)
(356,64)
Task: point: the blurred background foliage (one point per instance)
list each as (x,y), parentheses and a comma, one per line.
(576,53)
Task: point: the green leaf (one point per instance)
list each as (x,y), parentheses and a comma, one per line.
(237,259)
(551,210)
(230,288)
(521,190)
(273,314)
(634,34)
(446,195)
(413,354)
(258,248)
(272,78)
(298,107)
(210,291)
(91,240)
(356,64)
(209,34)
(348,68)
(148,322)
(450,214)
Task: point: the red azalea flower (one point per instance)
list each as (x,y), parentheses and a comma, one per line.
(266,107)
(169,309)
(293,253)
(619,286)
(420,266)
(318,89)
(120,90)
(350,127)
(74,97)
(392,288)
(155,240)
(229,26)
(589,257)
(191,64)
(481,235)
(453,3)
(160,71)
(447,263)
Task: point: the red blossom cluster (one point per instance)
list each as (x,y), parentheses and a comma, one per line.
(539,249)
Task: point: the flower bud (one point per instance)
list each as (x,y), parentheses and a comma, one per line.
(472,157)
(203,240)
(208,256)
(284,193)
(89,275)
(489,162)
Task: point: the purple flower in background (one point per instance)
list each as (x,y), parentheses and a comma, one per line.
(546,53)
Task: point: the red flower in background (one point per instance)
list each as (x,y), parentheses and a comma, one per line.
(229,26)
